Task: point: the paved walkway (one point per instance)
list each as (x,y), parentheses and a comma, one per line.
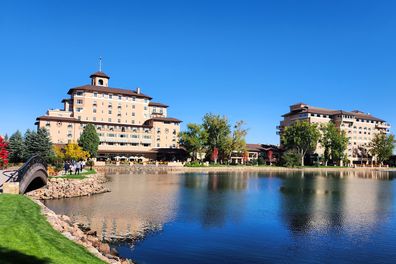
(3,178)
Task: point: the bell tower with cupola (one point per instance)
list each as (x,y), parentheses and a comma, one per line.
(99,79)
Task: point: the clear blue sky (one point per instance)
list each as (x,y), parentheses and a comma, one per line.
(245,59)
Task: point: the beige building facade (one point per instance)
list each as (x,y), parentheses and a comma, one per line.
(359,127)
(130,125)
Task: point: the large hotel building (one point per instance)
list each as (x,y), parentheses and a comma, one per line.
(129,123)
(359,127)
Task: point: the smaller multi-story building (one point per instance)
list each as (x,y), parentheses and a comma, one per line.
(359,127)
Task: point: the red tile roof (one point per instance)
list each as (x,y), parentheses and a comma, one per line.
(75,120)
(99,74)
(158,104)
(324,111)
(260,147)
(103,89)
(165,119)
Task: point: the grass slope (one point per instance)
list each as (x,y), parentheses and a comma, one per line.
(27,237)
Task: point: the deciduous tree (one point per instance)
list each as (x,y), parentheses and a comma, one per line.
(73,151)
(335,143)
(302,137)
(194,140)
(3,153)
(219,134)
(382,146)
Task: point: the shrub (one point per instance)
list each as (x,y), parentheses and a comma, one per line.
(90,163)
(291,158)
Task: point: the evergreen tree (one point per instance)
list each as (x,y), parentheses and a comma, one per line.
(38,143)
(89,140)
(16,147)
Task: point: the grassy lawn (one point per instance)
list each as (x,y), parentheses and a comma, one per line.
(27,237)
(78,176)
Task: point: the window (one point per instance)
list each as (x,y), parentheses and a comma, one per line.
(119,97)
(79,101)
(133,98)
(110,96)
(95,94)
(94,110)
(133,106)
(100,81)
(79,93)
(79,109)
(110,112)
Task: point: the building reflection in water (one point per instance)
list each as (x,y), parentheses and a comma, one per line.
(215,198)
(135,203)
(339,200)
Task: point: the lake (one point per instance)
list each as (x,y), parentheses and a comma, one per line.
(268,217)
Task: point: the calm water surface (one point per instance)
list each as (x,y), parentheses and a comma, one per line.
(247,217)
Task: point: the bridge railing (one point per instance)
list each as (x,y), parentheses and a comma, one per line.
(28,164)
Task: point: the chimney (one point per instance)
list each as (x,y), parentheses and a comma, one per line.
(138,90)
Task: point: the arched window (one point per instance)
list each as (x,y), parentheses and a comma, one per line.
(100,81)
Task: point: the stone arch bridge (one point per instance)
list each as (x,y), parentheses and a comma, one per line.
(32,175)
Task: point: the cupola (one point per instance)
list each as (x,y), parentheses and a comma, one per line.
(99,79)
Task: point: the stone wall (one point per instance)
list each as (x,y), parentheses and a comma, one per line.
(84,237)
(58,188)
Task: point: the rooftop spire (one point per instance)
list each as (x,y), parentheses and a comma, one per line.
(100,64)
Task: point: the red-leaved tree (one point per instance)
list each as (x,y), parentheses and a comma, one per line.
(215,155)
(3,153)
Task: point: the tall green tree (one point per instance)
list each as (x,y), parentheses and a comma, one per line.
(382,146)
(16,147)
(239,138)
(38,143)
(194,140)
(335,143)
(89,140)
(219,134)
(302,137)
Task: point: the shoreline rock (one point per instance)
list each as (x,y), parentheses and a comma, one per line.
(58,188)
(86,237)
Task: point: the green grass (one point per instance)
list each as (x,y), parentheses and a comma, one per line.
(27,237)
(78,176)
